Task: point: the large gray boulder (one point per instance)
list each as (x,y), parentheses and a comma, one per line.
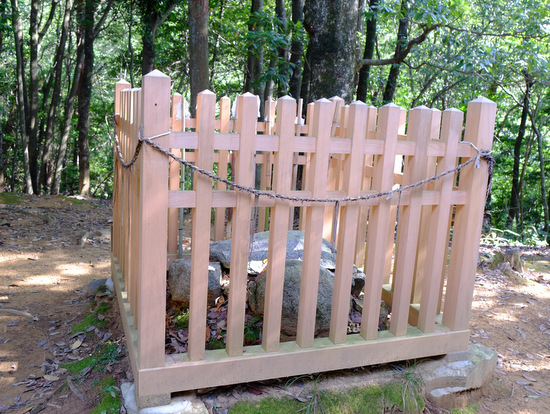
(179,280)
(220,251)
(291,298)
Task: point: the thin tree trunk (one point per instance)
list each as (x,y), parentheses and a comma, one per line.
(84,99)
(542,177)
(199,12)
(364,72)
(47,167)
(32,116)
(130,47)
(2,177)
(402,40)
(21,107)
(255,62)
(296,50)
(514,210)
(67,119)
(152,18)
(282,52)
(216,48)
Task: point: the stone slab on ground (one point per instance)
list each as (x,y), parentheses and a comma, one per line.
(456,380)
(183,404)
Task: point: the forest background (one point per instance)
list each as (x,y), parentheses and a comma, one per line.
(61,59)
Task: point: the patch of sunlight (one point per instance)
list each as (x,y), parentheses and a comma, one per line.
(43,280)
(7,366)
(74,269)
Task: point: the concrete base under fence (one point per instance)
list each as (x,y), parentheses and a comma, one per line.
(453,381)
(161,404)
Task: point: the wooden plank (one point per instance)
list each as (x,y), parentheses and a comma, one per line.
(438,235)
(409,220)
(175,168)
(388,127)
(291,360)
(306,176)
(480,121)
(244,175)
(435,124)
(153,223)
(309,287)
(335,165)
(219,218)
(347,229)
(200,233)
(391,251)
(117,181)
(134,213)
(282,183)
(360,245)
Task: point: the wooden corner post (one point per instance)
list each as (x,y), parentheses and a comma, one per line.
(480,123)
(153,236)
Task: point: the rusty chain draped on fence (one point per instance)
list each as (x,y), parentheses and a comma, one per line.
(481,155)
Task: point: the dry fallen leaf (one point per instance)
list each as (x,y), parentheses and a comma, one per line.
(76,344)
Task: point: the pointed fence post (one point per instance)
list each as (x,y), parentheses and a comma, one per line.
(480,123)
(153,222)
(206,113)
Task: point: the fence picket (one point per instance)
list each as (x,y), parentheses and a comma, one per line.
(409,220)
(347,230)
(151,309)
(309,287)
(420,265)
(202,185)
(282,183)
(247,108)
(388,128)
(366,185)
(437,240)
(175,168)
(134,193)
(480,121)
(219,218)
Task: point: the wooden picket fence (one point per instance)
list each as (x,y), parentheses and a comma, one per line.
(418,249)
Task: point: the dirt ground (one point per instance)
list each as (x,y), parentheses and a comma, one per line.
(52,247)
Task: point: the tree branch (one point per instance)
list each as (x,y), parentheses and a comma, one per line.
(399,58)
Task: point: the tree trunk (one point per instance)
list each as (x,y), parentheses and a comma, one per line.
(514,210)
(542,177)
(46,169)
(153,14)
(402,40)
(282,52)
(2,177)
(21,87)
(32,116)
(364,73)
(217,46)
(199,11)
(296,49)
(67,119)
(331,25)
(84,99)
(255,61)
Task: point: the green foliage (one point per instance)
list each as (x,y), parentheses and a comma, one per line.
(91,319)
(372,399)
(107,355)
(109,395)
(476,49)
